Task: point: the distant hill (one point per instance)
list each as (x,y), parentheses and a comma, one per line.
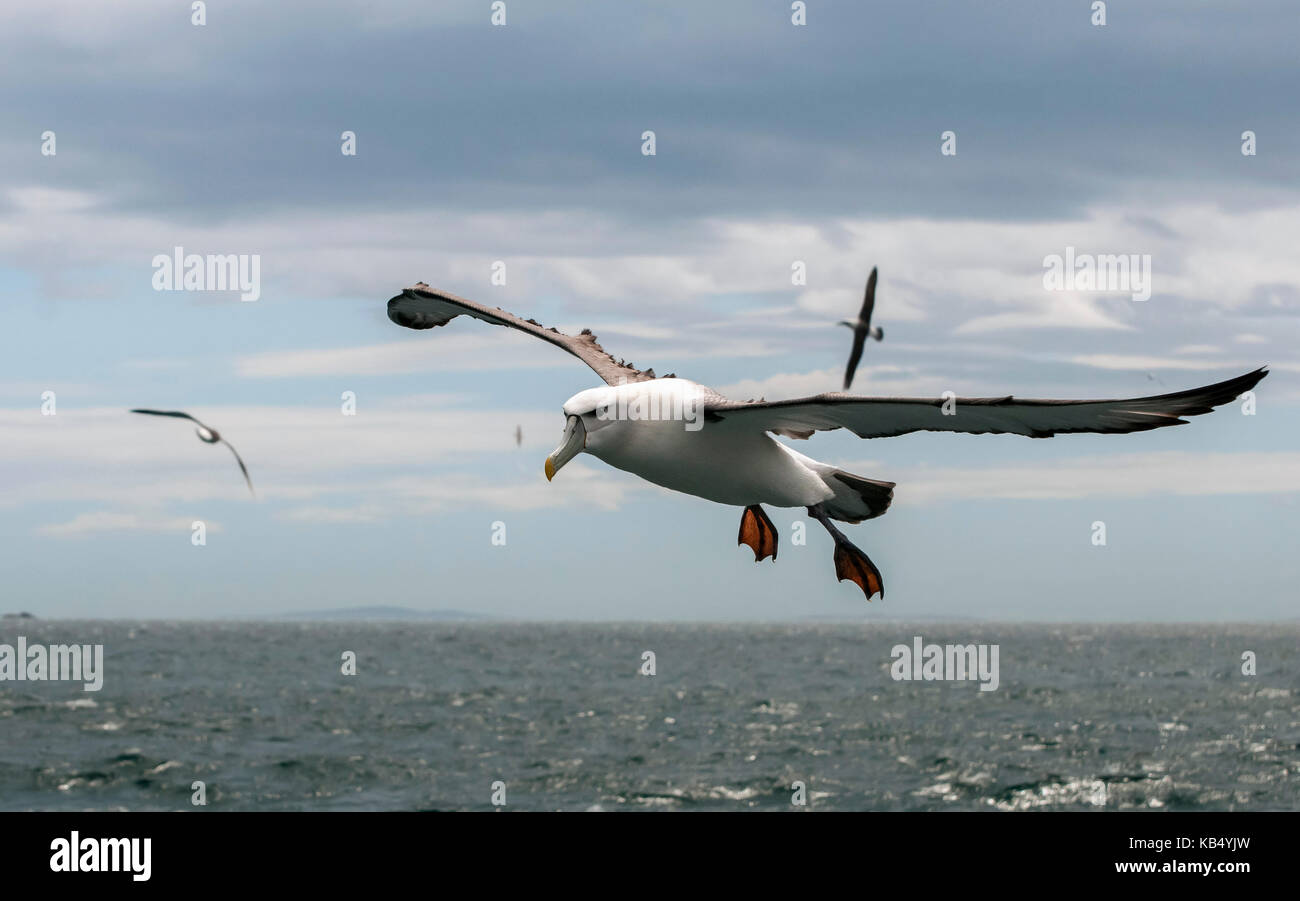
(387,613)
(885,617)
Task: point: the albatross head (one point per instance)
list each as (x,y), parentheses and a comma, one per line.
(582,416)
(575,439)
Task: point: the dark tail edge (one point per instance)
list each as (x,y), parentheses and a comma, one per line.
(877,495)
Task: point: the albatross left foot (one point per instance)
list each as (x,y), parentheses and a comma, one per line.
(850,561)
(757,531)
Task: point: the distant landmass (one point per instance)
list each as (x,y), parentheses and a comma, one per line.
(394,613)
(877,616)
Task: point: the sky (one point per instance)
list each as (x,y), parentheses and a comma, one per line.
(522,143)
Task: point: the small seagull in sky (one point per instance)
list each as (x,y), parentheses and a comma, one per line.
(861,329)
(207,435)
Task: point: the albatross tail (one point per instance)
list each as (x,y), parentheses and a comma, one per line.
(856,497)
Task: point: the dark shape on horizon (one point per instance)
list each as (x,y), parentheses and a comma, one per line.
(519,436)
(723,451)
(208,435)
(380,613)
(862,328)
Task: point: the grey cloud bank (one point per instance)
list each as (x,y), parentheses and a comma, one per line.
(753,116)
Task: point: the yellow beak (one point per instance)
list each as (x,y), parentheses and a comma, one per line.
(575,439)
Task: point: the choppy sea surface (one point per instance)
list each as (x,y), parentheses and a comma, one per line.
(1085,717)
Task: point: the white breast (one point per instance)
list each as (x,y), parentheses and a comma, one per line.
(648,435)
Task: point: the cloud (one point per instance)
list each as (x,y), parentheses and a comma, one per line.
(309,465)
(579,485)
(881,380)
(970,275)
(1184,473)
(1197,349)
(1277,299)
(103,521)
(42,200)
(1140,362)
(286,440)
(1068,312)
(571,86)
(498,350)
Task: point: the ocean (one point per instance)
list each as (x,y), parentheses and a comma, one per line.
(455,716)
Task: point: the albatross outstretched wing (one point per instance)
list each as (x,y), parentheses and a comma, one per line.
(861,329)
(175,413)
(242,467)
(884,417)
(869,298)
(421,307)
(855,354)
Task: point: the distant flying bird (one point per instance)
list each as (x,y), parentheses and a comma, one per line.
(688,438)
(209,435)
(862,328)
(519,436)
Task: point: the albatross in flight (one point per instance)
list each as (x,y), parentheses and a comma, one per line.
(722,450)
(862,328)
(206,434)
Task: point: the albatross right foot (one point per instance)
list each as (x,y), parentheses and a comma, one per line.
(757,531)
(850,561)
(852,564)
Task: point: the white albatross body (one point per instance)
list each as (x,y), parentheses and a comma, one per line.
(719,462)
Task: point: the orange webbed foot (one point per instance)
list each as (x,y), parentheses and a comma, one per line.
(757,531)
(855,566)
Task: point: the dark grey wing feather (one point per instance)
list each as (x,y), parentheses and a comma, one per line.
(861,328)
(869,299)
(421,307)
(859,338)
(173,413)
(242,467)
(883,417)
